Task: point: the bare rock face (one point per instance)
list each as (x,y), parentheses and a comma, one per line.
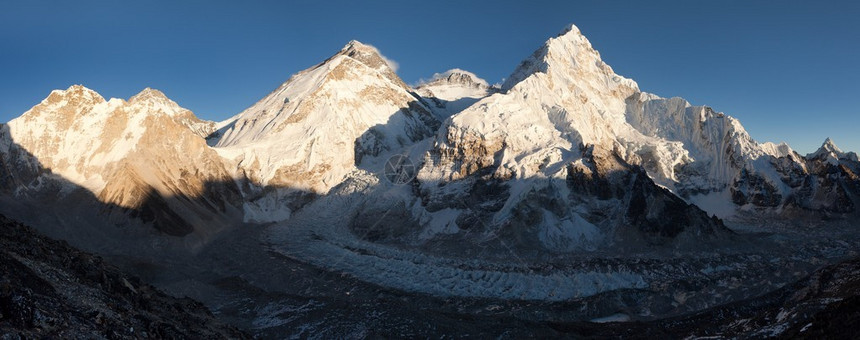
(824,182)
(650,212)
(461,153)
(829,181)
(753,189)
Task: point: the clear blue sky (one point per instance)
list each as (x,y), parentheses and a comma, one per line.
(788,70)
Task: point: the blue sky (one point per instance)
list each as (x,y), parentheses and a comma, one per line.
(788,70)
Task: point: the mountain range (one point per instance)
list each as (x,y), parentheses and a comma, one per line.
(562,115)
(564,158)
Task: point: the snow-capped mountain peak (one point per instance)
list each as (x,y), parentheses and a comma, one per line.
(149,94)
(68,102)
(830,146)
(831,153)
(156,102)
(564,97)
(371,57)
(317,126)
(129,154)
(456,76)
(76,91)
(453,91)
(569,54)
(77,133)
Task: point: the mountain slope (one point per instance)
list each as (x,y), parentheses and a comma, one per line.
(564,97)
(146,151)
(325,121)
(569,159)
(531,177)
(557,134)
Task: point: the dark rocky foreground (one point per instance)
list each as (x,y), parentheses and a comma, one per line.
(49,289)
(824,305)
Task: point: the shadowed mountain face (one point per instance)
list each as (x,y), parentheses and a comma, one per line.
(600,199)
(137,219)
(550,189)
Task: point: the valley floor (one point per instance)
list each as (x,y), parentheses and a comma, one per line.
(272,289)
(792,281)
